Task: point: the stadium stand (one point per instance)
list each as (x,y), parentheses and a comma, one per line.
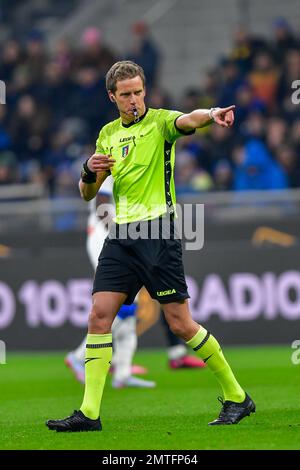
(56,99)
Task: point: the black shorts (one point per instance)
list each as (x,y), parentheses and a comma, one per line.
(126,264)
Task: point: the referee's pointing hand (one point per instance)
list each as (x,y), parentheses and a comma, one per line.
(224,116)
(100,162)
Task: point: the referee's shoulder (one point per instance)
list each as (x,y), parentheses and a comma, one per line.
(156,113)
(110,126)
(156,110)
(160,111)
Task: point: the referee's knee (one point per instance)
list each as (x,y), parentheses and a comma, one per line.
(177,327)
(100,320)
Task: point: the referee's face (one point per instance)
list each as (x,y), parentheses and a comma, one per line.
(130,96)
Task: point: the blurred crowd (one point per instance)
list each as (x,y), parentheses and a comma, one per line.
(56,103)
(262,150)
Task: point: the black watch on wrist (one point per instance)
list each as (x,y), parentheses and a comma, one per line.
(87,175)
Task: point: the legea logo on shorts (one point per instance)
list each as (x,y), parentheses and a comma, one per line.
(166,292)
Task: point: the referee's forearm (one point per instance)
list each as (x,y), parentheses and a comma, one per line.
(200,118)
(194,120)
(88,191)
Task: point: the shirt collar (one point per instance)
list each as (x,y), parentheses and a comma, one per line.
(132,122)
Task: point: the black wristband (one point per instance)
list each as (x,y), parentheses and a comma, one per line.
(87,175)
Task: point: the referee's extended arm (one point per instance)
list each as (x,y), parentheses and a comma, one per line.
(201,117)
(95,170)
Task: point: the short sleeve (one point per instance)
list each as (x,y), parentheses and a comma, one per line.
(167,123)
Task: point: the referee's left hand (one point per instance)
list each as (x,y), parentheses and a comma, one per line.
(100,162)
(224,116)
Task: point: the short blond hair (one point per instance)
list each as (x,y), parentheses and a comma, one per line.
(121,71)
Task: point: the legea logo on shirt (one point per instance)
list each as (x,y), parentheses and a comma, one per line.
(125,151)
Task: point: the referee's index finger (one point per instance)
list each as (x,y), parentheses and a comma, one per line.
(101,155)
(229,108)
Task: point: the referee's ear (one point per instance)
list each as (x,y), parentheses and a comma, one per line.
(111,97)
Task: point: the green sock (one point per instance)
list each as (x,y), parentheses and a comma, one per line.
(98,356)
(208,348)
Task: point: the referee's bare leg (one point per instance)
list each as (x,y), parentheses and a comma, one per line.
(238,403)
(104,309)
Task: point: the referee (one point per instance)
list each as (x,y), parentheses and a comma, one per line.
(138,151)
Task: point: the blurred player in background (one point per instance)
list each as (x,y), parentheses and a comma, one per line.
(124,326)
(138,151)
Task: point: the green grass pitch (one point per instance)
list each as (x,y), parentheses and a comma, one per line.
(174,416)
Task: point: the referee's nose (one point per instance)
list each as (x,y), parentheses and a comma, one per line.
(133,100)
